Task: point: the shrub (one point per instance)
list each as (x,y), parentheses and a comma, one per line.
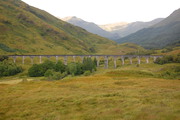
(52,75)
(9,69)
(101,62)
(48,65)
(170,75)
(168,59)
(79,68)
(72,68)
(88,64)
(87,73)
(95,62)
(170,72)
(49,73)
(56,76)
(60,67)
(53,71)
(38,70)
(3,57)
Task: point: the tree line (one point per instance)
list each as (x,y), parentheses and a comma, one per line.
(55,71)
(168,59)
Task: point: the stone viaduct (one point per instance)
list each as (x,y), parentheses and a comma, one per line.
(122,57)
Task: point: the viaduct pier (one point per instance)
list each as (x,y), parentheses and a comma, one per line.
(105,57)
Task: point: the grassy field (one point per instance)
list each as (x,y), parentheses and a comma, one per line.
(126,93)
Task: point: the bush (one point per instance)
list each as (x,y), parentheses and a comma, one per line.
(75,68)
(60,67)
(2,58)
(52,75)
(38,70)
(72,68)
(87,73)
(170,72)
(101,62)
(79,68)
(49,73)
(53,71)
(48,65)
(56,76)
(9,69)
(168,59)
(88,64)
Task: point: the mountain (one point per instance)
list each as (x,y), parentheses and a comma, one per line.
(90,27)
(124,29)
(114,26)
(27,30)
(111,31)
(166,32)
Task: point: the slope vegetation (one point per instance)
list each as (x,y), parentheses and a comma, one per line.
(28,30)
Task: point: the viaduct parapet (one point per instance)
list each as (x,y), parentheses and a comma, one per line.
(106,58)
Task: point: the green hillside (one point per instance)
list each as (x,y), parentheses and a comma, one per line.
(28,30)
(165,33)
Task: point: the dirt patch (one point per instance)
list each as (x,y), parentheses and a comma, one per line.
(14,81)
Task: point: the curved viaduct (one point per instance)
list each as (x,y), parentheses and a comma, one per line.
(130,57)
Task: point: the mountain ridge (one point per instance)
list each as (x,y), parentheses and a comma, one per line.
(90,27)
(160,35)
(129,28)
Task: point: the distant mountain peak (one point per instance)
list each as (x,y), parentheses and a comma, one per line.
(71,18)
(114,26)
(90,27)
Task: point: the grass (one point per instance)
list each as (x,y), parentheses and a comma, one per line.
(108,94)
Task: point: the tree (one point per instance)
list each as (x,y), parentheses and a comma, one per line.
(60,67)
(49,73)
(95,62)
(88,64)
(36,70)
(72,68)
(2,58)
(8,69)
(168,59)
(79,68)
(48,65)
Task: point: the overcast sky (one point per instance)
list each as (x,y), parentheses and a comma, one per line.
(108,11)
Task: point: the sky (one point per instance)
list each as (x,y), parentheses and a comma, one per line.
(108,11)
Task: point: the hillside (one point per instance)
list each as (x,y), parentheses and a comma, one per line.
(28,30)
(166,32)
(90,27)
(125,29)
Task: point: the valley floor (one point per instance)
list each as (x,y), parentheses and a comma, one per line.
(107,95)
